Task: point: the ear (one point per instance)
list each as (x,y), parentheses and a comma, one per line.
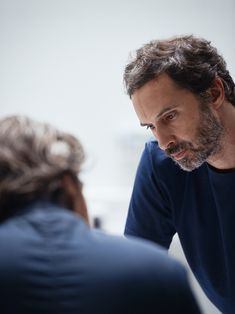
(74,196)
(217,93)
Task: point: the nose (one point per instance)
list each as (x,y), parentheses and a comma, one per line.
(164,138)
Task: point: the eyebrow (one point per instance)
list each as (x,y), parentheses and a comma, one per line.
(145,124)
(158,116)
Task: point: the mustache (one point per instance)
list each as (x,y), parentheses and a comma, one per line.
(178,147)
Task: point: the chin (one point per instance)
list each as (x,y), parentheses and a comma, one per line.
(189,165)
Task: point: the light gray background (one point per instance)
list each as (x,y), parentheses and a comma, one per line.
(62,61)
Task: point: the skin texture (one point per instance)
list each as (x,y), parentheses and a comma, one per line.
(188,130)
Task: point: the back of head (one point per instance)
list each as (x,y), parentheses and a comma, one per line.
(193,63)
(33,158)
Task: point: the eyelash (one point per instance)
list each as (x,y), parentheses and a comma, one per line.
(170,116)
(151,127)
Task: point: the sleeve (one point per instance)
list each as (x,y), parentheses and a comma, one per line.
(149,215)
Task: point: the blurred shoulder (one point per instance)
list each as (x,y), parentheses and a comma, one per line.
(136,253)
(144,273)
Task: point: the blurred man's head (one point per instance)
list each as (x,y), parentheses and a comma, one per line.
(38,162)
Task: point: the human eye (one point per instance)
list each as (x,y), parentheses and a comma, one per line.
(150,126)
(170,116)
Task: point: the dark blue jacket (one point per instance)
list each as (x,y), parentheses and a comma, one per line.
(51,262)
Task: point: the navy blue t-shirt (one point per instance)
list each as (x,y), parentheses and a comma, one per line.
(199,206)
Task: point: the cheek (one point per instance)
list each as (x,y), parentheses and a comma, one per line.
(187,130)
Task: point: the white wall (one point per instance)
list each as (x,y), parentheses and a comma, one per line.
(62,61)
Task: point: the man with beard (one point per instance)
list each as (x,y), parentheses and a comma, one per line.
(182,90)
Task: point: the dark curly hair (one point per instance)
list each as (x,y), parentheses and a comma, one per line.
(33,158)
(193,63)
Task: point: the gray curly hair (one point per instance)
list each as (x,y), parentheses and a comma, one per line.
(33,158)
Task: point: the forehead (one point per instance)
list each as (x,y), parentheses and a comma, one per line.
(159,94)
(159,88)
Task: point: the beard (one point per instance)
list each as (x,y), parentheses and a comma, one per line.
(207,143)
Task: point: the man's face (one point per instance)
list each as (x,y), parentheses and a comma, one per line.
(185,128)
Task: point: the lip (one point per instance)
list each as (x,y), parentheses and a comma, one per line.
(178,155)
